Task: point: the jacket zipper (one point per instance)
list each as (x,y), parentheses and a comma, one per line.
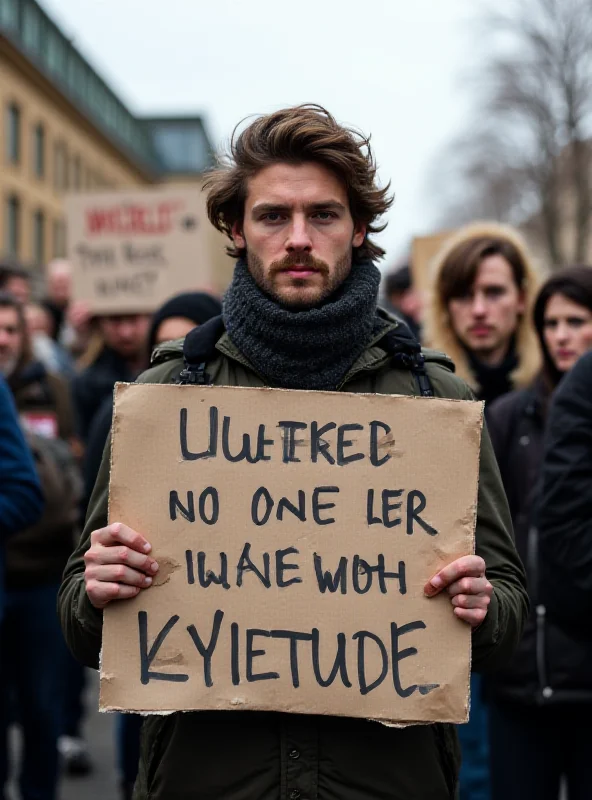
(541,612)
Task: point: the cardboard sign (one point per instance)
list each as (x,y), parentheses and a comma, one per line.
(131,251)
(295,532)
(423,251)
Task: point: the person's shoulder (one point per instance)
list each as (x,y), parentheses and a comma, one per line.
(445,383)
(580,377)
(511,403)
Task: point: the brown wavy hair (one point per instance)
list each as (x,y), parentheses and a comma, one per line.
(305,133)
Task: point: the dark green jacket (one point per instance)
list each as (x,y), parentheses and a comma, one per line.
(265,756)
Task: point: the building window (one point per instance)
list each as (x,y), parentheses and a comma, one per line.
(39,151)
(39,237)
(59,239)
(60,167)
(13,226)
(13,133)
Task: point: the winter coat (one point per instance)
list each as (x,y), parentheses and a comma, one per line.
(96,383)
(438,332)
(21,500)
(549,666)
(38,554)
(565,512)
(271,756)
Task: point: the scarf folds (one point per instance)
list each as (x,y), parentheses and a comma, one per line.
(303,349)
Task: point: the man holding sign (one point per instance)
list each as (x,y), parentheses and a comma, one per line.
(299,202)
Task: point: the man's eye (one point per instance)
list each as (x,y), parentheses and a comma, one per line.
(325,216)
(494,292)
(272,216)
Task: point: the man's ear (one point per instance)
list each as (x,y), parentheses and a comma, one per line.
(237,236)
(359,235)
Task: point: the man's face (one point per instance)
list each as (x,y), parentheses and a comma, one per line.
(486,318)
(11,340)
(298,232)
(59,287)
(126,333)
(19,288)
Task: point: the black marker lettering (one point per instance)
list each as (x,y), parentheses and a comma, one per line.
(413,512)
(361,636)
(318,507)
(290,441)
(148,656)
(280,567)
(294,638)
(206,577)
(252,654)
(299,512)
(175,504)
(375,445)
(246,565)
(213,445)
(326,580)
(261,493)
(207,652)
(212,493)
(318,445)
(342,443)
(339,665)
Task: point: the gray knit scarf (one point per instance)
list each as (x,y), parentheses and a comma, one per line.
(308,349)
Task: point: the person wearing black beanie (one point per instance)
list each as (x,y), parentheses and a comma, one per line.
(179,315)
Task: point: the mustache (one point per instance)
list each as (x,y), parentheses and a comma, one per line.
(301,260)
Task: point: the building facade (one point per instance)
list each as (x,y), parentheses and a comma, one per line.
(63,129)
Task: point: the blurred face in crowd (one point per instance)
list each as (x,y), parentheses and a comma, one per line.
(486,318)
(126,333)
(11,340)
(39,320)
(567,331)
(298,232)
(173,328)
(409,302)
(59,282)
(18,287)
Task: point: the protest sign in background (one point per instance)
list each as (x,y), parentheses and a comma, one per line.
(295,532)
(131,251)
(423,251)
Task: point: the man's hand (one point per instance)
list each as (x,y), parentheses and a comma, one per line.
(117,564)
(465,582)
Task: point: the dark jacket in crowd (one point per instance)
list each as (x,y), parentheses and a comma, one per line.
(565,512)
(38,554)
(550,665)
(94,384)
(43,398)
(21,499)
(240,755)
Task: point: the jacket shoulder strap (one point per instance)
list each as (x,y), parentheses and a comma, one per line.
(199,347)
(406,353)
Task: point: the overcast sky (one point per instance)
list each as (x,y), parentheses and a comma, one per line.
(393,68)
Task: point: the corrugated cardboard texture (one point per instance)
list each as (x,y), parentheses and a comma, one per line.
(424,451)
(131,251)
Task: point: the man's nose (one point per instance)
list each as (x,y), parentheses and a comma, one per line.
(299,235)
(479,306)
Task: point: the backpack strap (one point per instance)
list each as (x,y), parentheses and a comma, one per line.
(199,347)
(405,352)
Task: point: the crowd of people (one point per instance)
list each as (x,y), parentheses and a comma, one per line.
(301,314)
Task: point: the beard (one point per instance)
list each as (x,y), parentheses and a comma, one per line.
(309,297)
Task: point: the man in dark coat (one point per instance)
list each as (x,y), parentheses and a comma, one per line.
(300,204)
